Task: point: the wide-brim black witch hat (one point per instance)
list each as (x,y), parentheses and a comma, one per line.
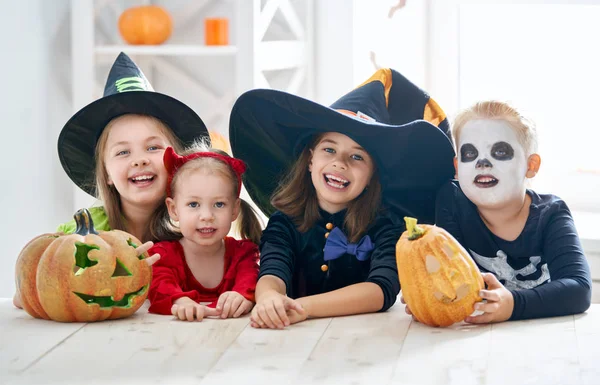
(127,91)
(397,123)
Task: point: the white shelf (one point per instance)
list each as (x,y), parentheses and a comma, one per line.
(167,50)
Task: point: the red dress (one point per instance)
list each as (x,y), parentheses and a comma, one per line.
(173,279)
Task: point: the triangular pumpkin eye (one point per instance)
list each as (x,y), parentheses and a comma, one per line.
(120,270)
(82,261)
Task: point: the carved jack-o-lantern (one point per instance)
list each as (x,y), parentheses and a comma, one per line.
(440,282)
(82,277)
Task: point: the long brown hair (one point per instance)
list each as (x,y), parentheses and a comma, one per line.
(296,197)
(248,224)
(109,195)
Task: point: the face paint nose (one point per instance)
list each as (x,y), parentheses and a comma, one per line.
(482,163)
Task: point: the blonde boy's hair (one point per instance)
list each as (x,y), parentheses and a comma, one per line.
(109,195)
(493,109)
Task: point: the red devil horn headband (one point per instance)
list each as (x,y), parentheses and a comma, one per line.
(173,162)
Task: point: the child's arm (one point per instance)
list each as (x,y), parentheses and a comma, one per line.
(364,297)
(240,299)
(382,285)
(165,288)
(247,270)
(275,274)
(570,288)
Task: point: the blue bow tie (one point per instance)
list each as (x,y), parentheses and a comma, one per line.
(337,245)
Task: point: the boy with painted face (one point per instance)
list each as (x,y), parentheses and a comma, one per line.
(525,243)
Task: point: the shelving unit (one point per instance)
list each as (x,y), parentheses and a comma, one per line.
(267,37)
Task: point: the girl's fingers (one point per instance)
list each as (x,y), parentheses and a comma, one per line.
(222,300)
(143,248)
(200,312)
(189,313)
(235,305)
(210,311)
(242,309)
(264,317)
(226,307)
(274,316)
(402,300)
(151,260)
(282,314)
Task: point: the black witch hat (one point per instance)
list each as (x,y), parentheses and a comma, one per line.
(396,122)
(127,91)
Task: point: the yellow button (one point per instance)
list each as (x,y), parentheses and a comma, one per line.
(329,226)
(326,235)
(324,267)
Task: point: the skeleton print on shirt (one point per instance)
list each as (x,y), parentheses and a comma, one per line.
(511,278)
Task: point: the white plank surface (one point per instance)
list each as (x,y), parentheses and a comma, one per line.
(24,339)
(357,350)
(145,348)
(385,348)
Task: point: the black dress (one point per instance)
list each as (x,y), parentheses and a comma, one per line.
(297,258)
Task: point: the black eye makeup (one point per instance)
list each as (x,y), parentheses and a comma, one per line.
(502,151)
(468,153)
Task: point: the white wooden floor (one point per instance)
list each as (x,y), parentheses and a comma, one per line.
(386,348)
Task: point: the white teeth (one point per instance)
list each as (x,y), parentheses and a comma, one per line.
(337,179)
(207,230)
(143,177)
(336,185)
(485,179)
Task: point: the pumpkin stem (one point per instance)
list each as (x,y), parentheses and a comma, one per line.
(85,224)
(414,231)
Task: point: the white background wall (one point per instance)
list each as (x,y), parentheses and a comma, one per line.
(35,193)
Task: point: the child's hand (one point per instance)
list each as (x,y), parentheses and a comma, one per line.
(233,304)
(272,311)
(145,247)
(17,301)
(407,309)
(186,309)
(500,302)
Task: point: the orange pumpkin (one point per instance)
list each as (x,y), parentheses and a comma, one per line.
(149,24)
(440,282)
(219,142)
(82,277)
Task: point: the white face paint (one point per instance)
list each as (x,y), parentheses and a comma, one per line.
(491,163)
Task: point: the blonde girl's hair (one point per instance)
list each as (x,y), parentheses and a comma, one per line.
(109,195)
(296,197)
(493,109)
(248,224)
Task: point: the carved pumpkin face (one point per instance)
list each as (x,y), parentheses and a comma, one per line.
(83,277)
(440,282)
(147,24)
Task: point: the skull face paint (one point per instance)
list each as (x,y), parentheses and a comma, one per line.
(492,163)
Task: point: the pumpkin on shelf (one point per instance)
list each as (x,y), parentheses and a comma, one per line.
(82,277)
(145,25)
(440,282)
(219,142)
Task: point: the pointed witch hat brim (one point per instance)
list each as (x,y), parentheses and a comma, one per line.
(397,123)
(127,91)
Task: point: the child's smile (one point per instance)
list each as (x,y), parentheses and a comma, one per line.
(340,171)
(336,181)
(485,181)
(142,179)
